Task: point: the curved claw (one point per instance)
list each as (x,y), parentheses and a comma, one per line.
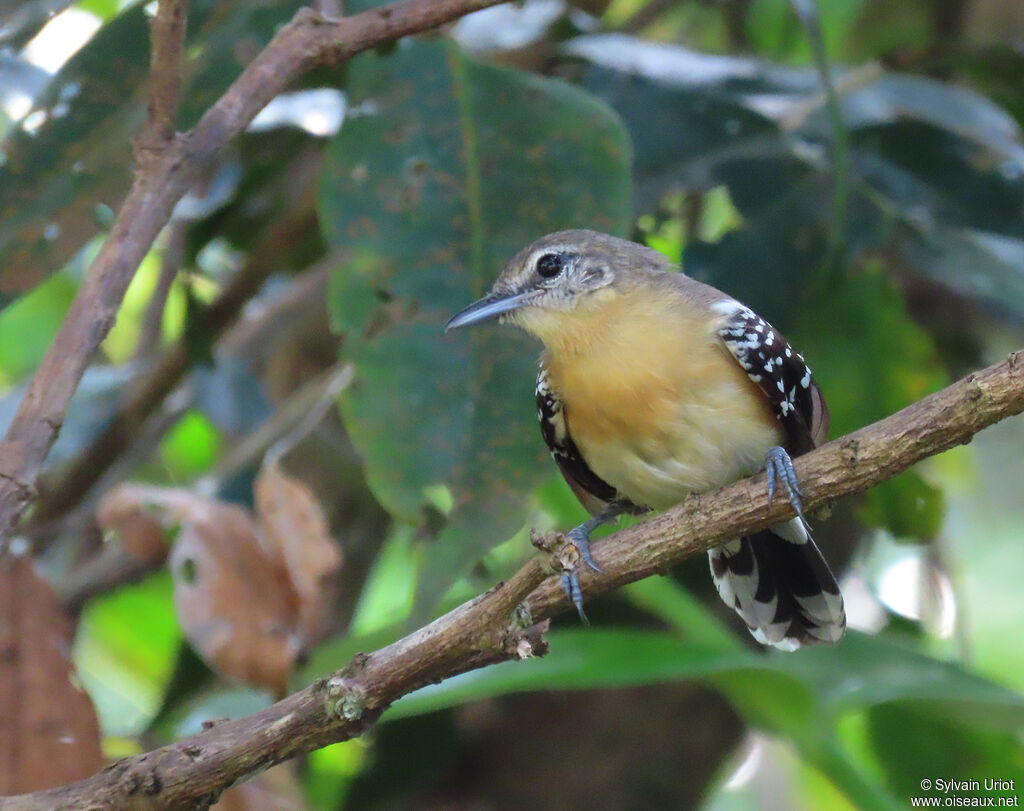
(580,538)
(571,586)
(779,467)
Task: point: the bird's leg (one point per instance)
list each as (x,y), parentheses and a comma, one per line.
(580,538)
(779,467)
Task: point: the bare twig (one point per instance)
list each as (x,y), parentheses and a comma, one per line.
(167,32)
(151,328)
(483,631)
(145,393)
(163,177)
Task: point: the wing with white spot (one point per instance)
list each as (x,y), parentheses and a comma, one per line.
(779,371)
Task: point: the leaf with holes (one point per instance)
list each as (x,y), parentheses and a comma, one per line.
(446,169)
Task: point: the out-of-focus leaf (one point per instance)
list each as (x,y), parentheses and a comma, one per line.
(20,20)
(191,447)
(785,693)
(928,155)
(908,506)
(935,175)
(250,594)
(945,106)
(231,600)
(125,651)
(276,789)
(665,598)
(687,135)
(974,263)
(865,671)
(460,165)
(20,82)
(581,660)
(911,741)
(294,525)
(68,156)
(210,704)
(123,515)
(28,326)
(847,339)
(49,734)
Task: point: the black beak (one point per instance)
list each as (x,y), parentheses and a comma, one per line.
(487,308)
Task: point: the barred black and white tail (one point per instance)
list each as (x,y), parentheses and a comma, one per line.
(779,583)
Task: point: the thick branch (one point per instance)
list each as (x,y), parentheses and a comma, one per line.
(308,40)
(484,630)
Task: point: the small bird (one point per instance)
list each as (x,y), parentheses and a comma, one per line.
(652,386)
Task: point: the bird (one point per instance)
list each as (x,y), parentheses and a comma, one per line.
(653,385)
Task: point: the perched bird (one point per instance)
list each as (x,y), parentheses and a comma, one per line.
(653,385)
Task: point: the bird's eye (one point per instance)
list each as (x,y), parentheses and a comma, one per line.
(550,265)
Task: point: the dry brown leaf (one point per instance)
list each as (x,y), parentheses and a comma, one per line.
(233,600)
(295,527)
(127,513)
(49,734)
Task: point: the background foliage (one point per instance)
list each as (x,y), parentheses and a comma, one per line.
(853,171)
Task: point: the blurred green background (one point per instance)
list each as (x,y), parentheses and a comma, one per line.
(853,170)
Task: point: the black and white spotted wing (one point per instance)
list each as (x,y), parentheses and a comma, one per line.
(592,491)
(777,579)
(780,372)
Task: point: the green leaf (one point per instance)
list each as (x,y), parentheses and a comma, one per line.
(847,336)
(69,154)
(913,742)
(125,650)
(907,505)
(458,166)
(974,263)
(581,660)
(68,160)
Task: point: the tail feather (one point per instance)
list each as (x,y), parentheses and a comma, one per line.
(781,586)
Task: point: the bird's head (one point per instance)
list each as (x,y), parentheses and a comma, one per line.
(567,272)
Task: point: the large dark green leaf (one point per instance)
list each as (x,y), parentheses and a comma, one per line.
(453,167)
(69,163)
(70,154)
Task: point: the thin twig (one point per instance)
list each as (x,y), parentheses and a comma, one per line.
(145,393)
(151,328)
(160,181)
(486,630)
(167,35)
(113,566)
(291,421)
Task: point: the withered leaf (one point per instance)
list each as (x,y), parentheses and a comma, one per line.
(295,526)
(233,599)
(49,734)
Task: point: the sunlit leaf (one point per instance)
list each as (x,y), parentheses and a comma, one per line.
(125,650)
